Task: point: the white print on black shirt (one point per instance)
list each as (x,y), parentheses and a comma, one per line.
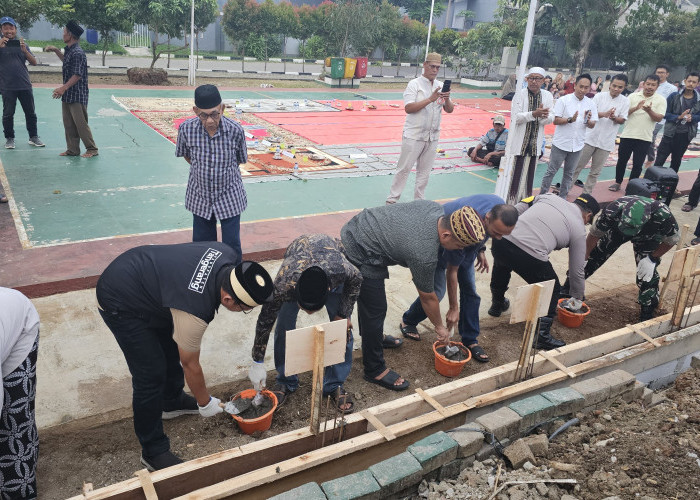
(203,270)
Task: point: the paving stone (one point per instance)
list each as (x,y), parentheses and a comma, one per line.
(358,486)
(593,390)
(538,444)
(518,453)
(397,473)
(533,410)
(619,381)
(469,441)
(646,396)
(566,401)
(503,422)
(308,491)
(695,361)
(635,393)
(434,451)
(487,450)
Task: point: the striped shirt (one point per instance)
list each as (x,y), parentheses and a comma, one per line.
(215,186)
(75,63)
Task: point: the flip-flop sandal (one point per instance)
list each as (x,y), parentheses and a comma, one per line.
(3,199)
(478,354)
(410,332)
(341,399)
(687,208)
(391,342)
(387,381)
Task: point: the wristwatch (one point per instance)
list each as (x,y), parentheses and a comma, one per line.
(569,120)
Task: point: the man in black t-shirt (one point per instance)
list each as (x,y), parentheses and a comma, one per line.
(15,84)
(158,300)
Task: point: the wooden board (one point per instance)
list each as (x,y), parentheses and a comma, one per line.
(377,424)
(523,299)
(299,356)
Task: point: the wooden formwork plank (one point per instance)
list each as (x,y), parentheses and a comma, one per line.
(643,334)
(431,401)
(148,489)
(557,363)
(381,428)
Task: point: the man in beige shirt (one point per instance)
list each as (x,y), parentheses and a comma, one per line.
(423,102)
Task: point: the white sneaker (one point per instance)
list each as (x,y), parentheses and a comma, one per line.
(10,144)
(35,141)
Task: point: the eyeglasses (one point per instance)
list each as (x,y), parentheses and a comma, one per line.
(205,116)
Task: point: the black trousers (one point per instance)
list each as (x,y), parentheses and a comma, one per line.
(495,160)
(371,312)
(675,146)
(508,257)
(630,147)
(9,103)
(694,195)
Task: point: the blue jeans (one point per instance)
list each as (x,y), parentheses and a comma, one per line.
(333,376)
(205,230)
(469,302)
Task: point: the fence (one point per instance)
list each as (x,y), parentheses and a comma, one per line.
(139,37)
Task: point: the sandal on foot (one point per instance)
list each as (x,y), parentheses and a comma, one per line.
(387,381)
(342,397)
(89,154)
(478,354)
(614,187)
(66,153)
(687,207)
(3,198)
(281,393)
(695,241)
(391,342)
(409,331)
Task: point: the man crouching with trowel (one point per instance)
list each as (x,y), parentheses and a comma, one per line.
(158,300)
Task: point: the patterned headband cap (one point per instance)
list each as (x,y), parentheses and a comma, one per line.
(467,226)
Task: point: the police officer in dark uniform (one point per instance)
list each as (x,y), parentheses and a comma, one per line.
(158,300)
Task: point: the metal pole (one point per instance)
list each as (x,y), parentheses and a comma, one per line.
(529,30)
(430,25)
(192,65)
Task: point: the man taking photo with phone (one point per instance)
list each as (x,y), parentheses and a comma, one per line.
(424,99)
(15,84)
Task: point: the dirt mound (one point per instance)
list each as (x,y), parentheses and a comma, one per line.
(147,76)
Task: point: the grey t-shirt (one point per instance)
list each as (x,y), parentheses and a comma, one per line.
(13,69)
(550,223)
(404,234)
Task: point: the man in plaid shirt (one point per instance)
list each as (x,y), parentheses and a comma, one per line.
(74,93)
(214,146)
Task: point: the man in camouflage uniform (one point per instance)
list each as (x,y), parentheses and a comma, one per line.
(653,231)
(314,273)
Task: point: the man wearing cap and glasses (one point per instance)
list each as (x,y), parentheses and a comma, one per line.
(314,273)
(214,146)
(423,102)
(158,301)
(74,93)
(15,84)
(530,112)
(408,235)
(492,145)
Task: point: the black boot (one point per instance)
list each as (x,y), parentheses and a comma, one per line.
(647,312)
(545,341)
(498,307)
(564,290)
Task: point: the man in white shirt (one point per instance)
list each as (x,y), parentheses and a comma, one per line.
(665,89)
(573,114)
(423,102)
(612,109)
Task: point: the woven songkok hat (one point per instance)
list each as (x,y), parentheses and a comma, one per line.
(467,226)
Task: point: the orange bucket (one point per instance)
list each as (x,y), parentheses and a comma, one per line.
(571,319)
(262,423)
(447,367)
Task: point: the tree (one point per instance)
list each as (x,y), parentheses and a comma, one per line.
(444,42)
(419,9)
(267,23)
(163,17)
(24,12)
(410,34)
(238,23)
(305,28)
(287,24)
(205,13)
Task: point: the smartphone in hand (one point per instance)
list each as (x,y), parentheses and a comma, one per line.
(13,43)
(446,86)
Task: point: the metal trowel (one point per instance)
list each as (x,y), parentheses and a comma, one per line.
(451,351)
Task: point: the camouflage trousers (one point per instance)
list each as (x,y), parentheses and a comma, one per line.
(608,244)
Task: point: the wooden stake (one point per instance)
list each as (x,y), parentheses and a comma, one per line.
(148,489)
(529,334)
(432,402)
(317,379)
(557,363)
(643,334)
(377,424)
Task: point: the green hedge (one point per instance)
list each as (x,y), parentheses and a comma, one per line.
(87,47)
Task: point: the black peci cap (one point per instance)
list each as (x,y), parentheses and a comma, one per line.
(587,201)
(312,289)
(251,284)
(206,97)
(74,28)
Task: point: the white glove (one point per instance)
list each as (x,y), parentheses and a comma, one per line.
(257,375)
(572,304)
(212,407)
(645,269)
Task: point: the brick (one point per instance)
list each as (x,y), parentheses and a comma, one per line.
(635,393)
(397,473)
(695,362)
(308,491)
(452,469)
(646,396)
(566,401)
(358,486)
(469,441)
(518,453)
(538,444)
(593,390)
(533,410)
(503,422)
(619,381)
(434,451)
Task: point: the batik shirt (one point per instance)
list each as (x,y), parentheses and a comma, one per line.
(641,220)
(530,146)
(304,252)
(75,63)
